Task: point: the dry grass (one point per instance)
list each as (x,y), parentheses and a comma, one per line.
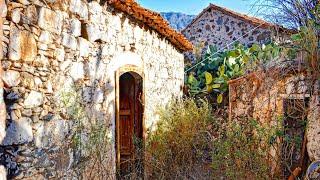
(180,147)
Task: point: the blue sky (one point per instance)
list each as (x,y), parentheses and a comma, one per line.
(196,6)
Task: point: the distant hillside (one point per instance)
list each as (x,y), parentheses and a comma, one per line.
(177,20)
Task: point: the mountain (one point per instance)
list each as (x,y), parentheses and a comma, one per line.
(177,21)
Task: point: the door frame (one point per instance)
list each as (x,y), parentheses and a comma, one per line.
(122,70)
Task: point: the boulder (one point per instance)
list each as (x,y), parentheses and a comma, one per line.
(95,13)
(16,16)
(27,80)
(94,8)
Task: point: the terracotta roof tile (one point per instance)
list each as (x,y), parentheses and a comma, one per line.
(153,20)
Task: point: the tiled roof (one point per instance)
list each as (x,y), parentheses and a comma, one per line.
(153,20)
(252,20)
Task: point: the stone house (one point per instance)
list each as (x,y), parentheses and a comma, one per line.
(222,27)
(282,96)
(120,60)
(280,92)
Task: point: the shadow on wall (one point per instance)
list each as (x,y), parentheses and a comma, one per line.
(18,128)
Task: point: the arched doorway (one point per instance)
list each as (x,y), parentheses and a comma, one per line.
(130,132)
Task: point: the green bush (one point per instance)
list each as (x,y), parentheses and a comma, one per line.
(211,76)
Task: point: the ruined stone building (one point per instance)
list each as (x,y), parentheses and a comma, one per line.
(222,27)
(115,58)
(69,65)
(282,96)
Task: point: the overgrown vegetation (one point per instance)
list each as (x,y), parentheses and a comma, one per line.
(190,143)
(89,140)
(290,13)
(243,150)
(307,42)
(212,75)
(181,146)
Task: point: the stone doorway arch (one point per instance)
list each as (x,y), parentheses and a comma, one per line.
(130,129)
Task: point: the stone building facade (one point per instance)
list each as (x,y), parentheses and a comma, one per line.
(222,27)
(53,46)
(281,97)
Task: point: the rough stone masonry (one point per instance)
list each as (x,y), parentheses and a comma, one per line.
(50,46)
(3,173)
(263,95)
(222,28)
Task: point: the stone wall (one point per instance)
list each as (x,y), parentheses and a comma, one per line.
(3,114)
(52,46)
(2,105)
(313,135)
(216,28)
(261,96)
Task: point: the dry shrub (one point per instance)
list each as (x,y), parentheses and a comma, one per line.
(180,147)
(190,143)
(242,152)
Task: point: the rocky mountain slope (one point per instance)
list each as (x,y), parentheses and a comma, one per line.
(177,20)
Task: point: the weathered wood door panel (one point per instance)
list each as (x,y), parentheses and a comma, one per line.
(129,122)
(127,88)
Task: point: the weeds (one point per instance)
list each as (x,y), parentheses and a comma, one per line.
(242,152)
(89,140)
(190,143)
(180,147)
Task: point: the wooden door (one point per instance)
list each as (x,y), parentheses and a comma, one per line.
(130,120)
(126,116)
